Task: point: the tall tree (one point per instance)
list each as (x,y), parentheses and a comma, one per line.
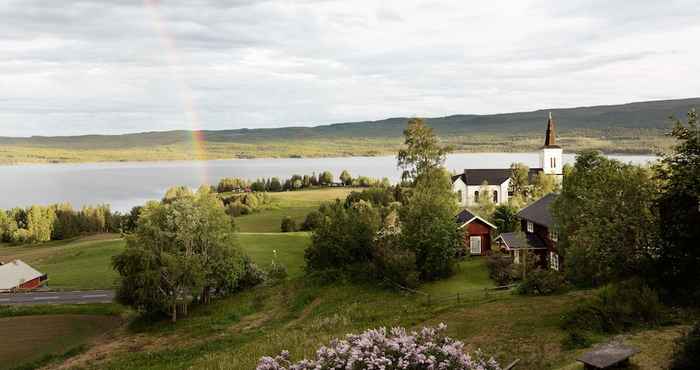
(428,224)
(345,177)
(326,178)
(519,180)
(423,152)
(606,220)
(679,211)
(180,250)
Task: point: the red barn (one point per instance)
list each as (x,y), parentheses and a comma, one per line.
(477,232)
(17,275)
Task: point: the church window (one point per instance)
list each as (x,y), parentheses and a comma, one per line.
(459,195)
(476,196)
(495,196)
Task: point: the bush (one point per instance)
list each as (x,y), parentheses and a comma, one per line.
(288,225)
(394,262)
(687,354)
(614,309)
(379,348)
(252,275)
(500,268)
(312,220)
(543,282)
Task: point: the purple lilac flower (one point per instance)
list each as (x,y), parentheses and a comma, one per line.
(377,349)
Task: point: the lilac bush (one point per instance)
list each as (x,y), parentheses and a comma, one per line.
(376,349)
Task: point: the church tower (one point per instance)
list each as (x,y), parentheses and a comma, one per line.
(551,154)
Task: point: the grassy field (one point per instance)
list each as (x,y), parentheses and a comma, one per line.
(289,247)
(295,204)
(34,337)
(83,263)
(297,314)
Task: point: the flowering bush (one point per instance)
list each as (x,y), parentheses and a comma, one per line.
(375,349)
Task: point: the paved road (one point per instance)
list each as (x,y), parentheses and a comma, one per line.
(86,296)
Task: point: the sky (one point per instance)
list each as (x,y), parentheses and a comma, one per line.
(108,67)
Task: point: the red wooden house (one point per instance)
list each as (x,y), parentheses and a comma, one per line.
(477,232)
(17,275)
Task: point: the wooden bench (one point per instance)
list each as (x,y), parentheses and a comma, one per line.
(608,356)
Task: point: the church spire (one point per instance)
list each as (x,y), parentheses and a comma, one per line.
(550,138)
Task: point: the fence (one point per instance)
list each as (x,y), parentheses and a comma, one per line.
(473,295)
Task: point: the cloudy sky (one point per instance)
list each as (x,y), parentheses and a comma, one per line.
(79,67)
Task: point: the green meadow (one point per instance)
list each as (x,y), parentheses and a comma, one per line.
(296,314)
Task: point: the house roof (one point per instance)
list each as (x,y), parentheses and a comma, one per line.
(520,240)
(539,212)
(493,176)
(15,273)
(465,217)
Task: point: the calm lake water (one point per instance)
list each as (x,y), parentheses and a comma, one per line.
(124,185)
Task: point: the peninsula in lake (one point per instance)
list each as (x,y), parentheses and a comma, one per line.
(633,128)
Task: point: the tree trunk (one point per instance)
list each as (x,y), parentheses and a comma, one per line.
(173,316)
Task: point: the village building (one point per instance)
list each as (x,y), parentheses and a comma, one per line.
(471,183)
(477,233)
(17,275)
(537,234)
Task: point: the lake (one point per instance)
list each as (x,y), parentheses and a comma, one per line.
(124,185)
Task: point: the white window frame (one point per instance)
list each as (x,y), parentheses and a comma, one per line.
(472,244)
(530,227)
(553,235)
(553,261)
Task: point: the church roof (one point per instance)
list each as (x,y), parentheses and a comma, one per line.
(539,211)
(493,176)
(550,139)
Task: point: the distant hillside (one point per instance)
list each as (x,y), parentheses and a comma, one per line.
(641,115)
(635,128)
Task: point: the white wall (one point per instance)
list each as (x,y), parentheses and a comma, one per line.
(546,156)
(457,186)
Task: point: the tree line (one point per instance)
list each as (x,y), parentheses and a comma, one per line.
(296,182)
(36,224)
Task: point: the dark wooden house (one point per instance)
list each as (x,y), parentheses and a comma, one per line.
(537,234)
(477,232)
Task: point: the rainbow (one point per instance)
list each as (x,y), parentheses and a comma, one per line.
(167,41)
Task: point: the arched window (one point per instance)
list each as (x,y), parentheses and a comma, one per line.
(476,196)
(459,195)
(495,196)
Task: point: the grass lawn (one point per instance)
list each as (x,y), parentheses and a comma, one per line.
(83,263)
(295,204)
(471,276)
(34,337)
(289,246)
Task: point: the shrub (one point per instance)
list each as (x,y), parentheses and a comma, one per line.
(500,268)
(382,349)
(392,261)
(277,270)
(312,220)
(288,225)
(613,309)
(252,275)
(543,282)
(687,354)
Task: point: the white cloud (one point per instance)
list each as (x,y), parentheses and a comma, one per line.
(75,67)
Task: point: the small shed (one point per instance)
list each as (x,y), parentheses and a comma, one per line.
(17,275)
(477,232)
(517,243)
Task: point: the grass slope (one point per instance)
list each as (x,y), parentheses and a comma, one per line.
(35,337)
(83,263)
(295,204)
(635,128)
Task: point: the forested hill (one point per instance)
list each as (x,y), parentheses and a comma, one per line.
(645,115)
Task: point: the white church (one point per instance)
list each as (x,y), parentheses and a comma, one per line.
(469,184)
